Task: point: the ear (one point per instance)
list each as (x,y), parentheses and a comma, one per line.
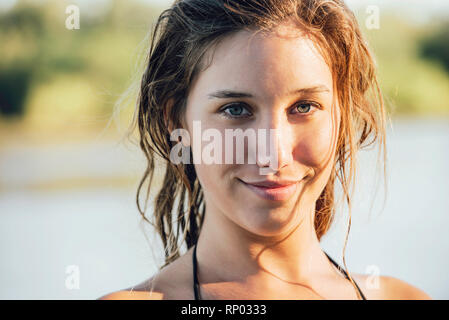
(168,122)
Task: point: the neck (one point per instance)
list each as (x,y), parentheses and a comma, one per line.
(229,253)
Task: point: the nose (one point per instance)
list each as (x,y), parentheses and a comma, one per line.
(276,145)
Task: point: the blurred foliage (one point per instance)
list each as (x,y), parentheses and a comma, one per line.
(436,46)
(411,83)
(52,75)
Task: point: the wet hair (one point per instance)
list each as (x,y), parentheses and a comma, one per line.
(181,39)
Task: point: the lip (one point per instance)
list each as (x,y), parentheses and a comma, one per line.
(271,190)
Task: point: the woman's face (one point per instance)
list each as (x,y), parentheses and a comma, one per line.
(283,83)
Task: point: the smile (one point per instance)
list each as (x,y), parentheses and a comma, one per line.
(274,193)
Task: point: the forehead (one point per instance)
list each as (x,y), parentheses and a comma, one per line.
(272,63)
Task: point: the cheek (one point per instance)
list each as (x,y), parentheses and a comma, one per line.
(207,175)
(215,180)
(208,179)
(221,191)
(316,142)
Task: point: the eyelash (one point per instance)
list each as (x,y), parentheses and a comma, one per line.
(226,107)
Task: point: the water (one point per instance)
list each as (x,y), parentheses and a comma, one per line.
(45,231)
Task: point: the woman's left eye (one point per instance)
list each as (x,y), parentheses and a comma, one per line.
(305,107)
(235,110)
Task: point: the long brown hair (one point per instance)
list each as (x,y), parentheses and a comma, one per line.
(182,36)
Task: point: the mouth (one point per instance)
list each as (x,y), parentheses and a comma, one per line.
(274,191)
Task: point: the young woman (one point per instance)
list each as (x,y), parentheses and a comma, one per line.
(298,67)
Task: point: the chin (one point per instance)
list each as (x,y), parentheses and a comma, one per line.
(267,223)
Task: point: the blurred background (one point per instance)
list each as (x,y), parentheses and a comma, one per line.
(69,225)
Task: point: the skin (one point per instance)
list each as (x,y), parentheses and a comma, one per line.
(250,247)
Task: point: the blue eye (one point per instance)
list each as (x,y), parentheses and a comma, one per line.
(304,107)
(236,110)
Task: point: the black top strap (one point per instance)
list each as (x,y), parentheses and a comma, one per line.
(346,275)
(196,287)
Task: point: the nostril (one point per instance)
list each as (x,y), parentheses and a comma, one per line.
(262,163)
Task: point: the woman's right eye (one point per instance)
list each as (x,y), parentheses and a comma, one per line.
(235,110)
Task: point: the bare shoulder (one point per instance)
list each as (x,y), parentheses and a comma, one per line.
(171,283)
(388,288)
(143,291)
(131,295)
(395,288)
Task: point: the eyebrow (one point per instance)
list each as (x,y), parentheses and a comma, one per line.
(226,94)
